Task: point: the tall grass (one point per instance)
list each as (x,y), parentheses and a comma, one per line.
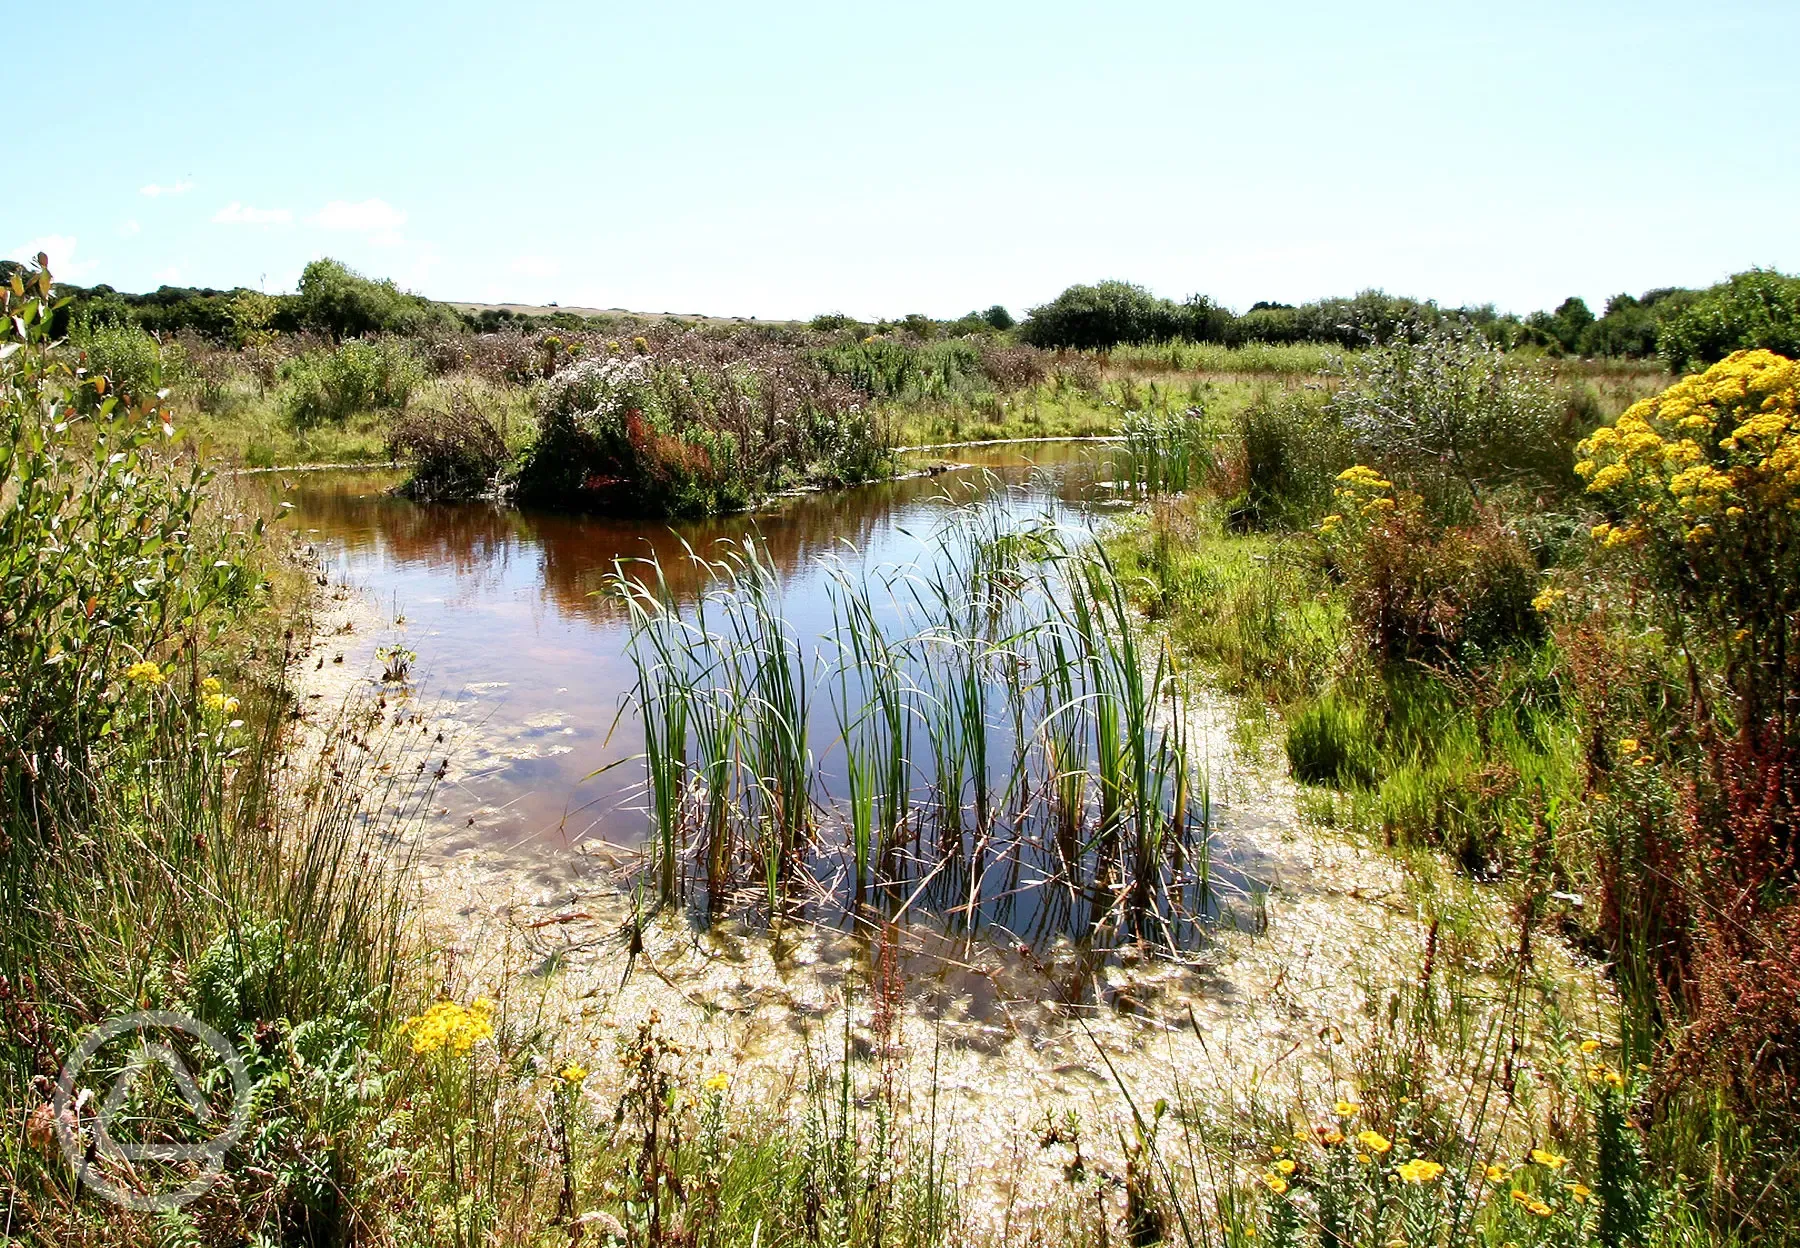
(1072,781)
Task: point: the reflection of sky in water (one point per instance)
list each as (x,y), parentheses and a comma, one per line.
(513,641)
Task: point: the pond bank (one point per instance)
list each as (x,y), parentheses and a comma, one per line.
(524,885)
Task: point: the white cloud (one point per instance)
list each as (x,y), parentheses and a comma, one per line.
(534,266)
(60,248)
(167,276)
(235,213)
(153,190)
(130,228)
(387,238)
(369,216)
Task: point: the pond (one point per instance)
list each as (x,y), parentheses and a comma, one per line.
(524,649)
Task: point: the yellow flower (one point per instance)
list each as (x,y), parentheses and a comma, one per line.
(1277,1151)
(1627,745)
(1547,599)
(1580,1192)
(220,703)
(718,1081)
(1613,1079)
(1540,1208)
(1593,1046)
(1374,1141)
(1363,1157)
(1418,1170)
(144,673)
(1333,1137)
(1495,1173)
(574,1072)
(1275,1183)
(1346,1109)
(448,1025)
(1285,1166)
(211,685)
(1556,1161)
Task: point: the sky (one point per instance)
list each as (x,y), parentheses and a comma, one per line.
(780,160)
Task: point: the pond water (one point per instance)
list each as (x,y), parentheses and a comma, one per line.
(521,649)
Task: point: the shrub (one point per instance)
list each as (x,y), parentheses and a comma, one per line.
(360,375)
(135,364)
(696,422)
(1703,486)
(1422,594)
(1443,410)
(1759,309)
(457,452)
(1103,315)
(335,300)
(1290,447)
(103,556)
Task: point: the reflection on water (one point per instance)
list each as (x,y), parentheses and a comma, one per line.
(519,645)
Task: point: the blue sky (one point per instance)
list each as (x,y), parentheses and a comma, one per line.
(782,159)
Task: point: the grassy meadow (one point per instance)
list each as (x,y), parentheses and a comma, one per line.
(1521,628)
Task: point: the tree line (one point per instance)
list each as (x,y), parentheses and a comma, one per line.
(1686,328)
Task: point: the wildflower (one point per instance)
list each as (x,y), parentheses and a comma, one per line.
(1419,1170)
(1547,599)
(1495,1173)
(574,1072)
(219,703)
(1580,1192)
(1363,1157)
(1285,1166)
(448,1025)
(1332,1137)
(1543,1157)
(1590,1046)
(1346,1109)
(1627,745)
(1612,1079)
(144,672)
(1275,1183)
(1374,1141)
(211,685)
(718,1081)
(1540,1208)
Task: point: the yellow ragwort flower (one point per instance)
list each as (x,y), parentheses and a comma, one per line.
(1346,1109)
(1543,1157)
(144,672)
(1495,1173)
(718,1081)
(1275,1183)
(1285,1166)
(574,1072)
(1374,1141)
(1592,1046)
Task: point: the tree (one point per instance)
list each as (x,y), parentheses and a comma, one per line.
(998,317)
(1757,309)
(1103,315)
(338,301)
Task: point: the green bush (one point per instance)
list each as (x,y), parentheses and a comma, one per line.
(1290,448)
(1760,308)
(1446,414)
(360,375)
(134,364)
(1102,315)
(338,301)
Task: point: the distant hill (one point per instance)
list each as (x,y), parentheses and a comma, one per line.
(534,309)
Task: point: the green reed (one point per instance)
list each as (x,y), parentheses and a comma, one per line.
(1051,736)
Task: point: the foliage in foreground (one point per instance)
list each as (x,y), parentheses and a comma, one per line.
(1597,709)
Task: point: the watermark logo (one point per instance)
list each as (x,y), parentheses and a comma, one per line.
(177,1100)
